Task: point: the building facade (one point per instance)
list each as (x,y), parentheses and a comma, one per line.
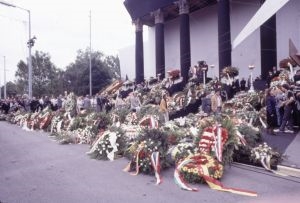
(183,32)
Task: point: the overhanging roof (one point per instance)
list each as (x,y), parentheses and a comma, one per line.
(141,9)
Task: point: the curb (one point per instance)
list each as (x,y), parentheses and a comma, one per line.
(289,170)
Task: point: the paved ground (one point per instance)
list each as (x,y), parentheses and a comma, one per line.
(288,144)
(35,169)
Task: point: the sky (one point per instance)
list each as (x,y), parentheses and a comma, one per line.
(62,27)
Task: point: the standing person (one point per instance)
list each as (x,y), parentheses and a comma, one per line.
(79,104)
(237,84)
(119,103)
(269,79)
(163,107)
(275,72)
(135,103)
(216,103)
(59,101)
(243,84)
(288,109)
(100,102)
(135,106)
(271,111)
(87,102)
(280,97)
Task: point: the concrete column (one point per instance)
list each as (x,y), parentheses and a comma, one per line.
(159,43)
(268,46)
(224,38)
(185,45)
(139,52)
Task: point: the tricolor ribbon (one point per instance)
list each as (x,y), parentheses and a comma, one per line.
(218,144)
(217,185)
(156,166)
(179,179)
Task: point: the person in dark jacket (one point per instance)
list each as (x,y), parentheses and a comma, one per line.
(288,105)
(243,84)
(271,111)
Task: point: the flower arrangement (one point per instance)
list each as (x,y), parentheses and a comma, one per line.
(192,172)
(148,153)
(230,71)
(264,154)
(108,145)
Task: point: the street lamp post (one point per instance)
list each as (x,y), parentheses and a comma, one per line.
(251,67)
(4,78)
(0,90)
(30,44)
(90,59)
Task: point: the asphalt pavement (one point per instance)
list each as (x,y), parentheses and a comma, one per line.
(36,169)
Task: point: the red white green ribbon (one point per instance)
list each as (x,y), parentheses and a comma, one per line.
(156,166)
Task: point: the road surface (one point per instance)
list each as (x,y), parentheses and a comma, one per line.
(36,169)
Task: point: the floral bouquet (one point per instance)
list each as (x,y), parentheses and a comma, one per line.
(148,153)
(108,145)
(265,155)
(230,71)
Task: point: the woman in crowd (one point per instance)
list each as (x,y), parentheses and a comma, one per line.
(271,111)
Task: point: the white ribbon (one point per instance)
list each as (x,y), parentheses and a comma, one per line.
(113,142)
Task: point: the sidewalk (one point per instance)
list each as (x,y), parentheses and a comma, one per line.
(289,145)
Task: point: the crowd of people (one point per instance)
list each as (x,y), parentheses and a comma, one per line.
(12,104)
(282,102)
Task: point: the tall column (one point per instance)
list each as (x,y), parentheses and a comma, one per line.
(159,43)
(139,52)
(224,38)
(268,46)
(185,47)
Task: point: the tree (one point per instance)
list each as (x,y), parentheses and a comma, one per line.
(11,89)
(76,76)
(44,76)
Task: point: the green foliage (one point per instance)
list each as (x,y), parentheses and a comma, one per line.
(252,137)
(104,70)
(150,140)
(11,89)
(121,113)
(44,76)
(228,148)
(103,120)
(103,145)
(49,80)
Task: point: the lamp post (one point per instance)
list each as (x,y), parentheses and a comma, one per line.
(90,55)
(30,44)
(251,67)
(0,90)
(4,78)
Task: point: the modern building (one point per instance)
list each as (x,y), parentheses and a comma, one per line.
(183,32)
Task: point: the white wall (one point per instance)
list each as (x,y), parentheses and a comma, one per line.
(288,26)
(127,62)
(248,52)
(204,38)
(149,53)
(172,52)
